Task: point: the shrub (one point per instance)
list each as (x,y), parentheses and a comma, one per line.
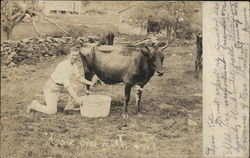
(56,34)
(184,30)
(77,31)
(94,11)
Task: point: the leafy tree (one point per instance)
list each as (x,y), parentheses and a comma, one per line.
(11,15)
(13,12)
(174,17)
(85,3)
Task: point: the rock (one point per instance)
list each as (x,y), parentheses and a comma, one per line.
(25,40)
(67,39)
(12,64)
(34,39)
(54,40)
(8,58)
(191,122)
(168,124)
(12,54)
(41,40)
(30,49)
(29,55)
(41,58)
(165,106)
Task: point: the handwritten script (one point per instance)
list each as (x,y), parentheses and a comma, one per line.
(226,79)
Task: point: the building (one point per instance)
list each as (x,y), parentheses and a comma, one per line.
(60,7)
(126,27)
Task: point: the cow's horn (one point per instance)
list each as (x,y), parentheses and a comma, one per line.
(166,45)
(144,41)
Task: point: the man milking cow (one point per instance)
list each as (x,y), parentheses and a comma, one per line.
(134,66)
(62,77)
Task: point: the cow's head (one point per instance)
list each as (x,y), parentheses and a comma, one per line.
(156,57)
(87,51)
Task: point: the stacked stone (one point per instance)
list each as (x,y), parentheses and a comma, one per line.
(33,50)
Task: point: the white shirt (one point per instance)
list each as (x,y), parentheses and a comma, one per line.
(63,72)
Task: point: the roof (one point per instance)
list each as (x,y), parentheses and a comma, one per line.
(123,10)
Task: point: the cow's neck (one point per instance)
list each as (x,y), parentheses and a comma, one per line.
(150,71)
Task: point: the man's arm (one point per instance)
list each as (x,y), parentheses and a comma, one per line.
(81,78)
(85,81)
(70,89)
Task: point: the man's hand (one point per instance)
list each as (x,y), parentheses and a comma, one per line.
(91,83)
(98,82)
(78,101)
(89,92)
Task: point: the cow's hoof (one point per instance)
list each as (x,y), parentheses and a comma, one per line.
(125,115)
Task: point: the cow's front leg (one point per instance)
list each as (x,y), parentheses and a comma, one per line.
(139,89)
(126,100)
(88,75)
(196,69)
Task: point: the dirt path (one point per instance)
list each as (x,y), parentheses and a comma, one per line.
(161,131)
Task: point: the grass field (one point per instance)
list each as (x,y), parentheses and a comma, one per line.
(162,131)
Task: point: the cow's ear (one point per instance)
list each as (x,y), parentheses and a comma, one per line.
(145,51)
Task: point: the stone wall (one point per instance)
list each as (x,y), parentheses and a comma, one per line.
(33,50)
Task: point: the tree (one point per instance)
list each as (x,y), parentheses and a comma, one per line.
(172,16)
(85,3)
(13,12)
(11,15)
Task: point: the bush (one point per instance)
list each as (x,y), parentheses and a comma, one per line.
(56,34)
(184,31)
(77,31)
(94,11)
(74,32)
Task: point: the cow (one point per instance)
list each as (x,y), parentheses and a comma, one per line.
(107,39)
(198,60)
(131,65)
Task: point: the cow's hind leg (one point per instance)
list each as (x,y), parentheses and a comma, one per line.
(200,66)
(139,89)
(126,100)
